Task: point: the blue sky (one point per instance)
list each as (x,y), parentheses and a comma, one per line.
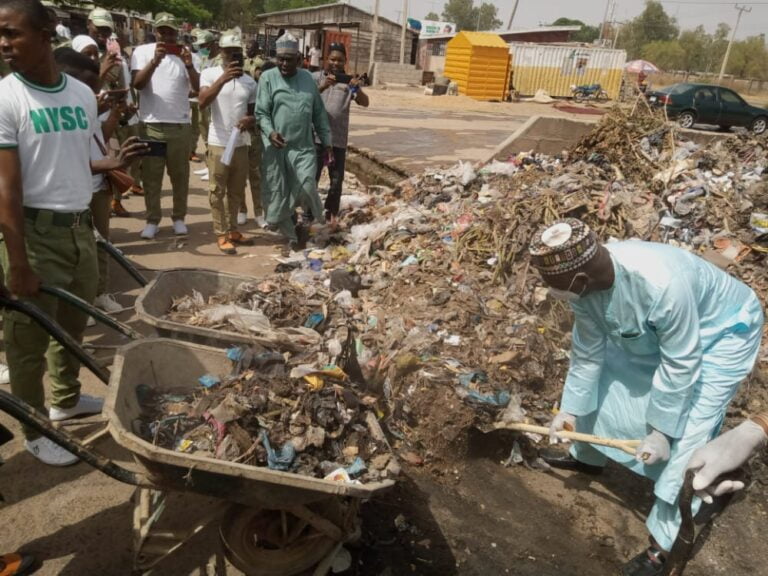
(690,13)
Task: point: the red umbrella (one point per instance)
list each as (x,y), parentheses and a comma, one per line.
(637,66)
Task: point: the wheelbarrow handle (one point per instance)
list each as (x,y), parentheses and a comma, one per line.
(24,413)
(90,310)
(57,333)
(685,542)
(120,258)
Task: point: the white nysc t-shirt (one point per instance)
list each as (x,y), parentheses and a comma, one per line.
(165,99)
(230,106)
(52,128)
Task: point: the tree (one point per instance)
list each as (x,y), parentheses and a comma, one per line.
(201,11)
(587,34)
(652,25)
(486,17)
(749,58)
(467,16)
(460,12)
(666,54)
(431,16)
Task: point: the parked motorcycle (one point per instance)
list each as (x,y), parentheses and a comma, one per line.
(589,92)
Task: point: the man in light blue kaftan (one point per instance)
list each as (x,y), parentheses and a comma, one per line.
(661,341)
(288,108)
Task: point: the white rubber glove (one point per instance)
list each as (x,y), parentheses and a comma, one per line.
(561,421)
(725,453)
(654,448)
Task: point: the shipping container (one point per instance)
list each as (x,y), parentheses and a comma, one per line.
(556,68)
(479,63)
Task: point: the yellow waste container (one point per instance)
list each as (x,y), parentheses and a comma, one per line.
(479,63)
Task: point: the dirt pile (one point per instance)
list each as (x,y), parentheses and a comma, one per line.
(431,282)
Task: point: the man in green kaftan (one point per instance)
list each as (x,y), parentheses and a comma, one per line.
(287,109)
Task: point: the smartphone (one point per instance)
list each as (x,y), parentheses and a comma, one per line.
(116,95)
(113,47)
(156,148)
(342,78)
(173,49)
(238,59)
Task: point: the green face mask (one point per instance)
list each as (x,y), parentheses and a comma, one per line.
(204,52)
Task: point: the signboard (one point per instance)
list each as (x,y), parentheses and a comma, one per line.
(427,28)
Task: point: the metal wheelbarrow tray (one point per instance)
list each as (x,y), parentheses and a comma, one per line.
(274,523)
(271,523)
(166,364)
(156,298)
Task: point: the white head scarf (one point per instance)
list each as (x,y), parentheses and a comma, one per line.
(81,42)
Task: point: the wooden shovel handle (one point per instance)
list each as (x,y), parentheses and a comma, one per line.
(628,446)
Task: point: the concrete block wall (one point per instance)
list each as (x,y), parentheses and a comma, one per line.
(395,73)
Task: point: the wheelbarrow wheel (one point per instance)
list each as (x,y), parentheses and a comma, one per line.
(262,542)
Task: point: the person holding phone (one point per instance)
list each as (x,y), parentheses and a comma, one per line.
(231,96)
(289,108)
(101,28)
(205,54)
(164,75)
(253,66)
(338,90)
(86,70)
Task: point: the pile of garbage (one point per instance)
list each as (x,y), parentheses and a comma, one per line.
(431,281)
(265,413)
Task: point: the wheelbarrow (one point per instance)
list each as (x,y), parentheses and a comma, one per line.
(158,295)
(272,523)
(156,299)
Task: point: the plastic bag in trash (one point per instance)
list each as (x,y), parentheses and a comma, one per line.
(278,459)
(239,317)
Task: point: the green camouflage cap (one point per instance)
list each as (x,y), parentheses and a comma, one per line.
(166,20)
(203,37)
(101,18)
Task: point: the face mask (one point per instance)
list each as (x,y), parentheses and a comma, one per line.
(204,52)
(567,295)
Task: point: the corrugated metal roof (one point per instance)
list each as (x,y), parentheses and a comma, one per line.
(538,29)
(484,39)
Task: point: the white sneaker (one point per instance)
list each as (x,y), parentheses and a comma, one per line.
(86,405)
(149,232)
(107,303)
(261,222)
(50,453)
(201,172)
(90,323)
(205,177)
(242,218)
(5,374)
(179,228)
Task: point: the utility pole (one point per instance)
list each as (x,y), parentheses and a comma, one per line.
(605,17)
(612,22)
(741,10)
(374,33)
(512,16)
(402,34)
(479,11)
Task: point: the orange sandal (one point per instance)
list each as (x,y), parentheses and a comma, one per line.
(15,564)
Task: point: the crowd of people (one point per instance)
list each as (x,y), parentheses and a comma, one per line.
(65,98)
(264,121)
(661,340)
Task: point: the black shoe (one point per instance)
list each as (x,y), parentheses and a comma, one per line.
(649,562)
(563,460)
